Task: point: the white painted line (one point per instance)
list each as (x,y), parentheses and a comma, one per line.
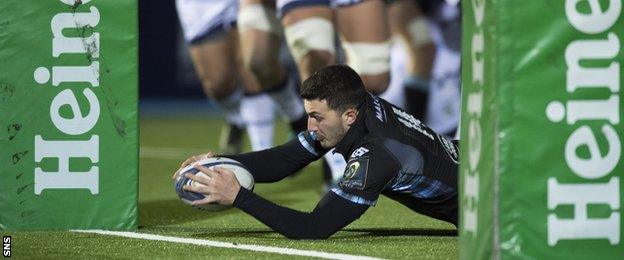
(203,242)
(169,153)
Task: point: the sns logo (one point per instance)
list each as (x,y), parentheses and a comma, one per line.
(6,246)
(359,152)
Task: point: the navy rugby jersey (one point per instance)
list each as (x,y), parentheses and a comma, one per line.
(387,151)
(390,152)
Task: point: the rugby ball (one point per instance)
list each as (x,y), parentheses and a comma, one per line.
(243,176)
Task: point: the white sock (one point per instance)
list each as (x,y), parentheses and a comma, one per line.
(287,99)
(230,106)
(337,165)
(259,115)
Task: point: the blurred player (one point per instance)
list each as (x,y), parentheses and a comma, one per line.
(210,29)
(388,150)
(260,38)
(443,110)
(411,34)
(361,24)
(428,35)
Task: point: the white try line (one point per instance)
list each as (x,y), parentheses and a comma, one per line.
(168,153)
(202,242)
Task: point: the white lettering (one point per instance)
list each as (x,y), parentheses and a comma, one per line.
(596,21)
(594,110)
(578,76)
(62,44)
(63,151)
(595,166)
(580,196)
(78,124)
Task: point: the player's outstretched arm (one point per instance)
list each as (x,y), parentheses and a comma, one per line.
(277,163)
(330,215)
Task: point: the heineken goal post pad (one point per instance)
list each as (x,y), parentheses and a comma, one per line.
(541,132)
(68,114)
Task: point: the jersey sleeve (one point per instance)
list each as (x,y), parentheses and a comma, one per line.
(276,163)
(331,214)
(366,176)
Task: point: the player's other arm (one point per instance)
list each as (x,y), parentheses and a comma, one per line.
(331,214)
(276,163)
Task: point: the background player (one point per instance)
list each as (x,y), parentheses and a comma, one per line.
(261,38)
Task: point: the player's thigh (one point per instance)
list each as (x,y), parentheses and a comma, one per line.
(260,31)
(408,23)
(215,64)
(205,26)
(363,22)
(244,76)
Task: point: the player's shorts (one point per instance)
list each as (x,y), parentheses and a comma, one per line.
(285,6)
(204,20)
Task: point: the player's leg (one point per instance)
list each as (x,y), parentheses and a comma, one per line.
(309,33)
(443,111)
(310,36)
(365,39)
(410,28)
(212,52)
(260,39)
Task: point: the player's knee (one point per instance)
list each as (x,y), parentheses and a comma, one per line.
(311,40)
(262,68)
(419,31)
(219,87)
(372,61)
(376,84)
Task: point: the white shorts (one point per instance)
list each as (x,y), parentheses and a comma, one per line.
(206,19)
(284,6)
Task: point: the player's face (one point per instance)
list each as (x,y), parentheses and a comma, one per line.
(330,125)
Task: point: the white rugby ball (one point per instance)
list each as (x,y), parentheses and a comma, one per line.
(244,177)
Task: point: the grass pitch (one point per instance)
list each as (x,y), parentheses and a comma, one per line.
(388,230)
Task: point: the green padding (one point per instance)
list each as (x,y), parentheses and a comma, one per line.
(68,106)
(549,164)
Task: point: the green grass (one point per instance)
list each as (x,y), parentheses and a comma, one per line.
(388,230)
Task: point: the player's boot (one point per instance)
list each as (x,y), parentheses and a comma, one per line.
(231,139)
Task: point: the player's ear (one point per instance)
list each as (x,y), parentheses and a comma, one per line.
(350,115)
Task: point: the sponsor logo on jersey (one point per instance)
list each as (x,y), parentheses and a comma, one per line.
(379,111)
(450,149)
(359,152)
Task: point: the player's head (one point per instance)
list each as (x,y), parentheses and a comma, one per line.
(331,97)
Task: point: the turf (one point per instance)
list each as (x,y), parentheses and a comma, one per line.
(388,230)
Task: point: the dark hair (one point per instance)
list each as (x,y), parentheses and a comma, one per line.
(339,85)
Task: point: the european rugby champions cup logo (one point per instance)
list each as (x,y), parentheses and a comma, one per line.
(351,170)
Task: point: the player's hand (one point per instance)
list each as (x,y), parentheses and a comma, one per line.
(221,185)
(191,160)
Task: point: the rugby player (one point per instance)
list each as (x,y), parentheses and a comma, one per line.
(388,152)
